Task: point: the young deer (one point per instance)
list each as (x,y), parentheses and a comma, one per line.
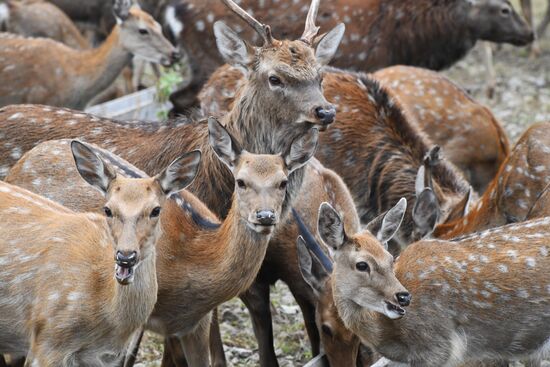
(425,33)
(510,197)
(82,311)
(470,135)
(48,72)
(473,299)
(197,258)
(38,18)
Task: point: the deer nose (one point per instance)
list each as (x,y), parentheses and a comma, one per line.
(176,55)
(126,259)
(325,115)
(266,217)
(403,298)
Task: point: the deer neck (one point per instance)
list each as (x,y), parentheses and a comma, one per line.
(99,67)
(134,302)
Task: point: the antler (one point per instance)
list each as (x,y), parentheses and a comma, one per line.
(262,29)
(311,29)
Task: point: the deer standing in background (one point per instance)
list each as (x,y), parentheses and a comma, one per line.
(198,258)
(47,72)
(510,197)
(38,18)
(78,311)
(470,135)
(472,299)
(427,33)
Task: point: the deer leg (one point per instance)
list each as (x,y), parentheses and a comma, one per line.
(545,21)
(196,344)
(256,299)
(130,358)
(173,355)
(527,10)
(308,312)
(491,77)
(217,354)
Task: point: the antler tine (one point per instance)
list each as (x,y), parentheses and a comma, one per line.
(263,30)
(311,29)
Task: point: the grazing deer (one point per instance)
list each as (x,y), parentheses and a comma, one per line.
(426,33)
(82,311)
(470,135)
(194,278)
(470,299)
(44,71)
(37,18)
(510,197)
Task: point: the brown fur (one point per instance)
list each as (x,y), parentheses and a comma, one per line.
(37,70)
(31,18)
(427,33)
(74,312)
(371,133)
(470,135)
(512,194)
(472,299)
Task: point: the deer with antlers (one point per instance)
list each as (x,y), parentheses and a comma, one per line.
(521,180)
(198,256)
(47,72)
(267,118)
(82,311)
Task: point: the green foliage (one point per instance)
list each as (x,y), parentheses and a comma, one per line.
(170,79)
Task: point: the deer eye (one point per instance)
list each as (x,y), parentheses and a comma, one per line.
(275,81)
(362,266)
(326,329)
(155,212)
(108,212)
(143,31)
(241,184)
(283,184)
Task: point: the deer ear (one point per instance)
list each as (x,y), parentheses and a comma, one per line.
(121,9)
(425,212)
(91,167)
(461,209)
(234,50)
(327,44)
(331,226)
(180,173)
(301,150)
(224,145)
(311,269)
(386,225)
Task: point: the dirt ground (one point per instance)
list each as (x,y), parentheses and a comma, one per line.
(522,97)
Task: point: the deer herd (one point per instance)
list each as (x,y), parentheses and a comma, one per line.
(390,202)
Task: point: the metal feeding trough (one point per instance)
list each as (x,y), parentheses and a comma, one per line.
(319,361)
(141,105)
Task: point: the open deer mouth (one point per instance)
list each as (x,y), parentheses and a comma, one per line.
(262,228)
(393,311)
(124,274)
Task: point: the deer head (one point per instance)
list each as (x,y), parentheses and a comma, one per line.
(497,21)
(363,273)
(260,179)
(141,35)
(132,206)
(284,73)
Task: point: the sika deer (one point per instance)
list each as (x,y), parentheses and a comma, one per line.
(473,299)
(512,194)
(188,288)
(47,72)
(470,135)
(427,33)
(37,18)
(77,311)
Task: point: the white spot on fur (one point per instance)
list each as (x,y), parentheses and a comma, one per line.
(530,262)
(73,296)
(175,25)
(502,268)
(15,116)
(199,24)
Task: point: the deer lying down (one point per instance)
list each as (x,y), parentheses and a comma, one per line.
(201,263)
(38,70)
(476,298)
(61,299)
